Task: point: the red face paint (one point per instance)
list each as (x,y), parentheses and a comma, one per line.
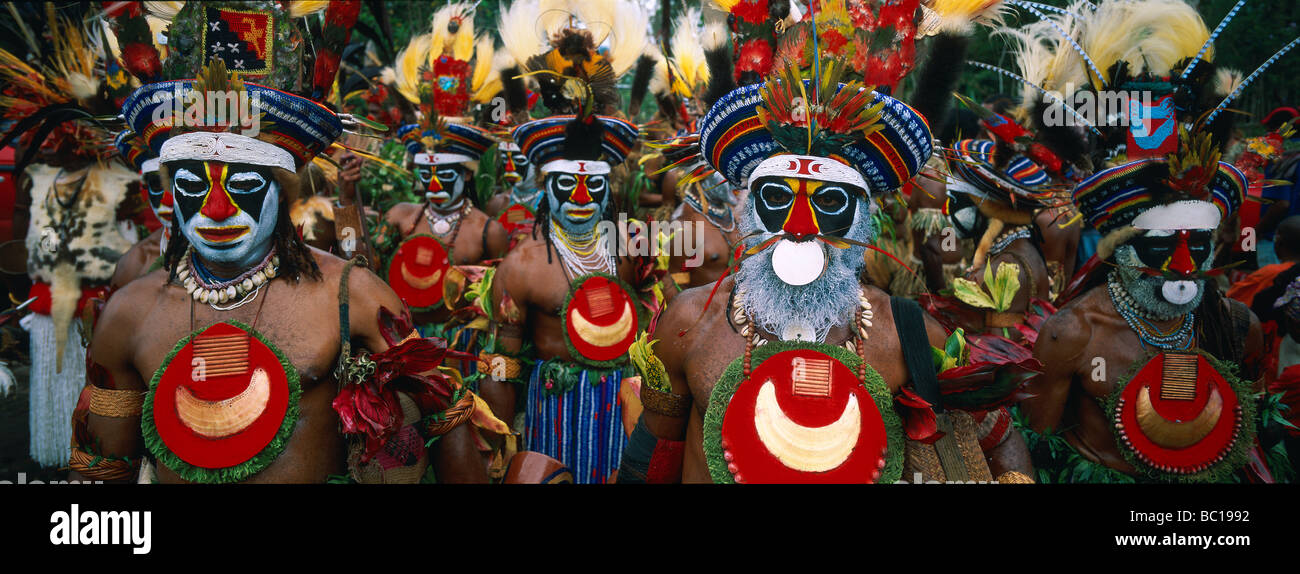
(580,195)
(1181,262)
(218,206)
(801,222)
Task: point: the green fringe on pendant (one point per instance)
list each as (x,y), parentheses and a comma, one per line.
(616,363)
(229,474)
(733,376)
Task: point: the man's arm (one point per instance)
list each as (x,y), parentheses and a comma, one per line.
(655,450)
(1060,344)
(509,300)
(454,456)
(110,428)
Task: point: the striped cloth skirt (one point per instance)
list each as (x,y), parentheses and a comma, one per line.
(582,428)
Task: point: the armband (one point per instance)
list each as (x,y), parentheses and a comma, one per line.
(96,467)
(439,424)
(994,428)
(500,367)
(666,404)
(115,403)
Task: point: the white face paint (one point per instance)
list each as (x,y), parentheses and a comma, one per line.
(228,212)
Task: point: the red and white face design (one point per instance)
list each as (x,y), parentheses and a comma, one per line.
(159,196)
(227,211)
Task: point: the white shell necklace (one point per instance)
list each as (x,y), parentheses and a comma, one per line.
(239,291)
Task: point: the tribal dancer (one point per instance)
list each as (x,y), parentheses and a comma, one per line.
(792,369)
(1150,372)
(227,365)
(73,239)
(146,255)
(446,229)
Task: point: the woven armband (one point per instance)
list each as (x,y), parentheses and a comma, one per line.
(441,423)
(96,467)
(666,404)
(1013,477)
(115,403)
(500,367)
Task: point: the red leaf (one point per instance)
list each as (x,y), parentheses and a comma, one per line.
(919,421)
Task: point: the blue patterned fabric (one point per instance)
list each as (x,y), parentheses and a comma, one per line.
(582,428)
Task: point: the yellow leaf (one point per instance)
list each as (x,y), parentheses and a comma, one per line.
(970,293)
(1005,286)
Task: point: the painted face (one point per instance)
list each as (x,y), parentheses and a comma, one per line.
(227,211)
(1179,253)
(159,196)
(577,200)
(805,207)
(515,166)
(443,185)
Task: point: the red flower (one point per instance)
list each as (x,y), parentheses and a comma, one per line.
(862,16)
(751,11)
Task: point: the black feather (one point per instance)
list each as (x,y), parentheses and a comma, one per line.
(1070,143)
(937,78)
(645,67)
(513,89)
(721,80)
(582,139)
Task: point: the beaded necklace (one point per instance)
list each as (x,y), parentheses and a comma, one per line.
(446,226)
(1008,238)
(1178,338)
(583,254)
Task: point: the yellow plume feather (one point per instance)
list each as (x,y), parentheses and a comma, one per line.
(300,8)
(1150,36)
(407,70)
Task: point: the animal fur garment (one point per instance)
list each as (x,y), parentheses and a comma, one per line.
(72,239)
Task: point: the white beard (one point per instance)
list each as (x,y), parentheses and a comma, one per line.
(827,301)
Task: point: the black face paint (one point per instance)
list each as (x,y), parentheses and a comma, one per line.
(967,220)
(192,181)
(154,187)
(1156,252)
(802,205)
(577,189)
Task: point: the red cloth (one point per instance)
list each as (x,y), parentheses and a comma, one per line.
(41,291)
(1246,289)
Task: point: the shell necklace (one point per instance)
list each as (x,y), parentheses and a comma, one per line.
(446,225)
(239,291)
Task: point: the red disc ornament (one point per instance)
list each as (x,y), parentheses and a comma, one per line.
(1178,414)
(221,399)
(803,417)
(516,218)
(600,318)
(417,270)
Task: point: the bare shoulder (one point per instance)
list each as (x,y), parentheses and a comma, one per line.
(1066,333)
(685,310)
(402,212)
(126,313)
